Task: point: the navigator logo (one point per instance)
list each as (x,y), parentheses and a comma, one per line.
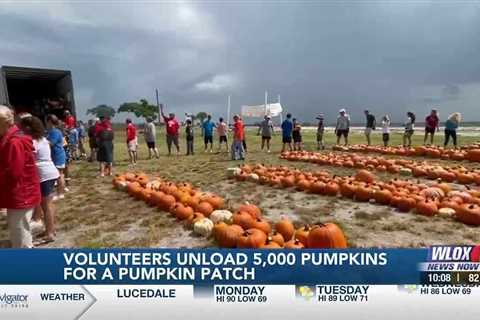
(13,300)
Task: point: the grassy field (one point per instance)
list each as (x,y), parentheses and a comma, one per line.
(94,215)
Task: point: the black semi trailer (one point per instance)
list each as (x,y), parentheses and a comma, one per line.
(37,91)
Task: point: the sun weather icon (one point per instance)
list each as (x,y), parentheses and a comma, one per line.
(305,292)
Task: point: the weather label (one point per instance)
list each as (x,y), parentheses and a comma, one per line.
(240,294)
(342,293)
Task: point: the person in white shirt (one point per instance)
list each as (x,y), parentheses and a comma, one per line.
(409,129)
(343,126)
(386,130)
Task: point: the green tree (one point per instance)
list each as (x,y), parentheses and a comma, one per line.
(141,109)
(201,116)
(102,110)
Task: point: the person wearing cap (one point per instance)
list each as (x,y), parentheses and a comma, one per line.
(149,133)
(208,126)
(287,128)
(431,125)
(238,138)
(320,131)
(132,141)
(370,125)
(343,126)
(172,126)
(19,179)
(266,129)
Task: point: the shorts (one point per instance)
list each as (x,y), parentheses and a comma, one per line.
(429,130)
(386,137)
(342,132)
(297,138)
(287,139)
(223,139)
(151,145)
(266,138)
(319,136)
(208,139)
(172,139)
(60,166)
(368,131)
(47,187)
(18,221)
(132,145)
(408,133)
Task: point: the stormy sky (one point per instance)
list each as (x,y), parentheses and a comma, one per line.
(389,57)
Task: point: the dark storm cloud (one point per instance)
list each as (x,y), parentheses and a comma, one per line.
(320,56)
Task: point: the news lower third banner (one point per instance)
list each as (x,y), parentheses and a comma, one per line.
(143,283)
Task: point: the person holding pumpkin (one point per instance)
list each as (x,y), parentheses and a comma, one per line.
(172,126)
(451,126)
(19,180)
(409,129)
(431,125)
(238,138)
(47,171)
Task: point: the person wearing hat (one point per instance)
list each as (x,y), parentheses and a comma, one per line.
(343,126)
(320,131)
(431,125)
(370,126)
(132,141)
(266,129)
(150,137)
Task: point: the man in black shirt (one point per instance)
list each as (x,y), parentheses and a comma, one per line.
(371,123)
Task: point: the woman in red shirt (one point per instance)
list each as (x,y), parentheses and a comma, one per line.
(19,181)
(431,125)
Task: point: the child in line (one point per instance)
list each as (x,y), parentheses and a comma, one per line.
(320,131)
(386,130)
(189,136)
(297,136)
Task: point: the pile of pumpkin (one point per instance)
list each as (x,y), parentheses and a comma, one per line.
(405,195)
(424,169)
(205,213)
(470,153)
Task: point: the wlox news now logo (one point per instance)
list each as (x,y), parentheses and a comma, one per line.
(454,254)
(13,300)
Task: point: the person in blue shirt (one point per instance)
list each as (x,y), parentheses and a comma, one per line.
(451,126)
(287,129)
(208,126)
(82,135)
(56,140)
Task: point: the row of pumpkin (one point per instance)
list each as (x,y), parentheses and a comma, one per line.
(206,214)
(405,195)
(424,169)
(470,153)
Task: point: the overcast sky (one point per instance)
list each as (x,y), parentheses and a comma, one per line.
(319,56)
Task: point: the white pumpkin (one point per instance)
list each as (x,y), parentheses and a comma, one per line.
(121,185)
(405,172)
(203,227)
(446,212)
(253,177)
(232,172)
(221,216)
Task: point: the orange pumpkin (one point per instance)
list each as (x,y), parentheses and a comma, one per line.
(294,244)
(286,228)
(262,224)
(427,208)
(205,208)
(326,235)
(196,216)
(383,196)
(251,238)
(469,214)
(243,219)
(180,211)
(405,204)
(302,234)
(365,176)
(215,201)
(363,193)
(166,202)
(251,209)
(278,238)
(332,188)
(270,244)
(227,236)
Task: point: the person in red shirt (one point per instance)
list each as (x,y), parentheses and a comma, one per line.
(132,142)
(70,121)
(19,180)
(431,125)
(238,138)
(172,126)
